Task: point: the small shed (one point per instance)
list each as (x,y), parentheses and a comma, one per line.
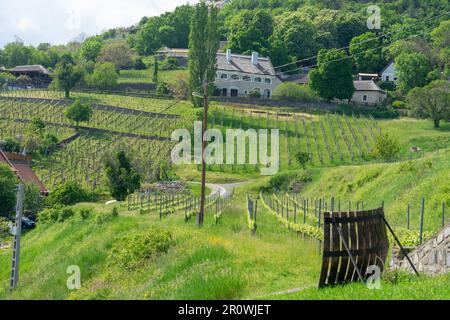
(34,72)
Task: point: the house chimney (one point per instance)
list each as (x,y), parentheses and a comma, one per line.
(255,58)
(229,55)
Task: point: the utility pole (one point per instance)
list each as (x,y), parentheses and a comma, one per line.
(17,231)
(201,215)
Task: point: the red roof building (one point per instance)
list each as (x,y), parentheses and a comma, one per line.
(23,171)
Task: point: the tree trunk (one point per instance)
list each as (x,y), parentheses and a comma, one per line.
(436,123)
(67,93)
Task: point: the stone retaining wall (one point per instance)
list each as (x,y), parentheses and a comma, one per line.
(433,257)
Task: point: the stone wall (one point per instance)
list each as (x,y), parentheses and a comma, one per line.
(433,257)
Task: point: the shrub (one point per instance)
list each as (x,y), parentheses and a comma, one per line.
(10,145)
(104,76)
(294,92)
(254,94)
(105,217)
(139,64)
(302,158)
(115,212)
(4,229)
(399,104)
(8,183)
(387,85)
(65,213)
(70,193)
(386,148)
(53,215)
(85,213)
(170,63)
(162,89)
(34,201)
(132,251)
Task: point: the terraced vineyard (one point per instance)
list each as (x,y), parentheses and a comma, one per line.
(135,103)
(116,119)
(83,159)
(144,135)
(329,140)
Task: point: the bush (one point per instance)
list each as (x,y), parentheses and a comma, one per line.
(170,63)
(8,182)
(302,158)
(4,229)
(104,76)
(387,85)
(105,217)
(5,78)
(162,89)
(10,145)
(288,181)
(70,193)
(85,213)
(254,94)
(139,64)
(132,251)
(386,148)
(399,104)
(294,92)
(54,215)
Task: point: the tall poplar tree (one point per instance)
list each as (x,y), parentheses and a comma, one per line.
(203,47)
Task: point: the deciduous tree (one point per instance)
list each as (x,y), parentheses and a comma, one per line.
(431,101)
(333,76)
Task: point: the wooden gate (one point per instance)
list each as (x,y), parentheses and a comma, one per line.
(353,241)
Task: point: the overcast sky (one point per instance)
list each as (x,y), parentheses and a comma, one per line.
(59,21)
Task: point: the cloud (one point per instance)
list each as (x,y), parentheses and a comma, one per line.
(59,21)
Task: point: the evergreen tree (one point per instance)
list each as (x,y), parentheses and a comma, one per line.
(122,177)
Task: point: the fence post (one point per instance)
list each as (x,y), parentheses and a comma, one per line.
(305,208)
(421,219)
(295,212)
(407,217)
(320,209)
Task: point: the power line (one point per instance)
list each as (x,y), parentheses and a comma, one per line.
(365,41)
(343,48)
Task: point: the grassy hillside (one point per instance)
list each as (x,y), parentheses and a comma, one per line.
(398,184)
(216,262)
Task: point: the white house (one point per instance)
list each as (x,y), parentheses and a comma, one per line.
(388,73)
(240,75)
(367,92)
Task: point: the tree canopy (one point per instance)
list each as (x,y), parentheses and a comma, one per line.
(431,101)
(333,76)
(79,112)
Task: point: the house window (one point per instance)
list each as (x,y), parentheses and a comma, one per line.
(268,80)
(246,78)
(234,92)
(224,92)
(387,78)
(267,93)
(234,77)
(365,98)
(258,80)
(224,76)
